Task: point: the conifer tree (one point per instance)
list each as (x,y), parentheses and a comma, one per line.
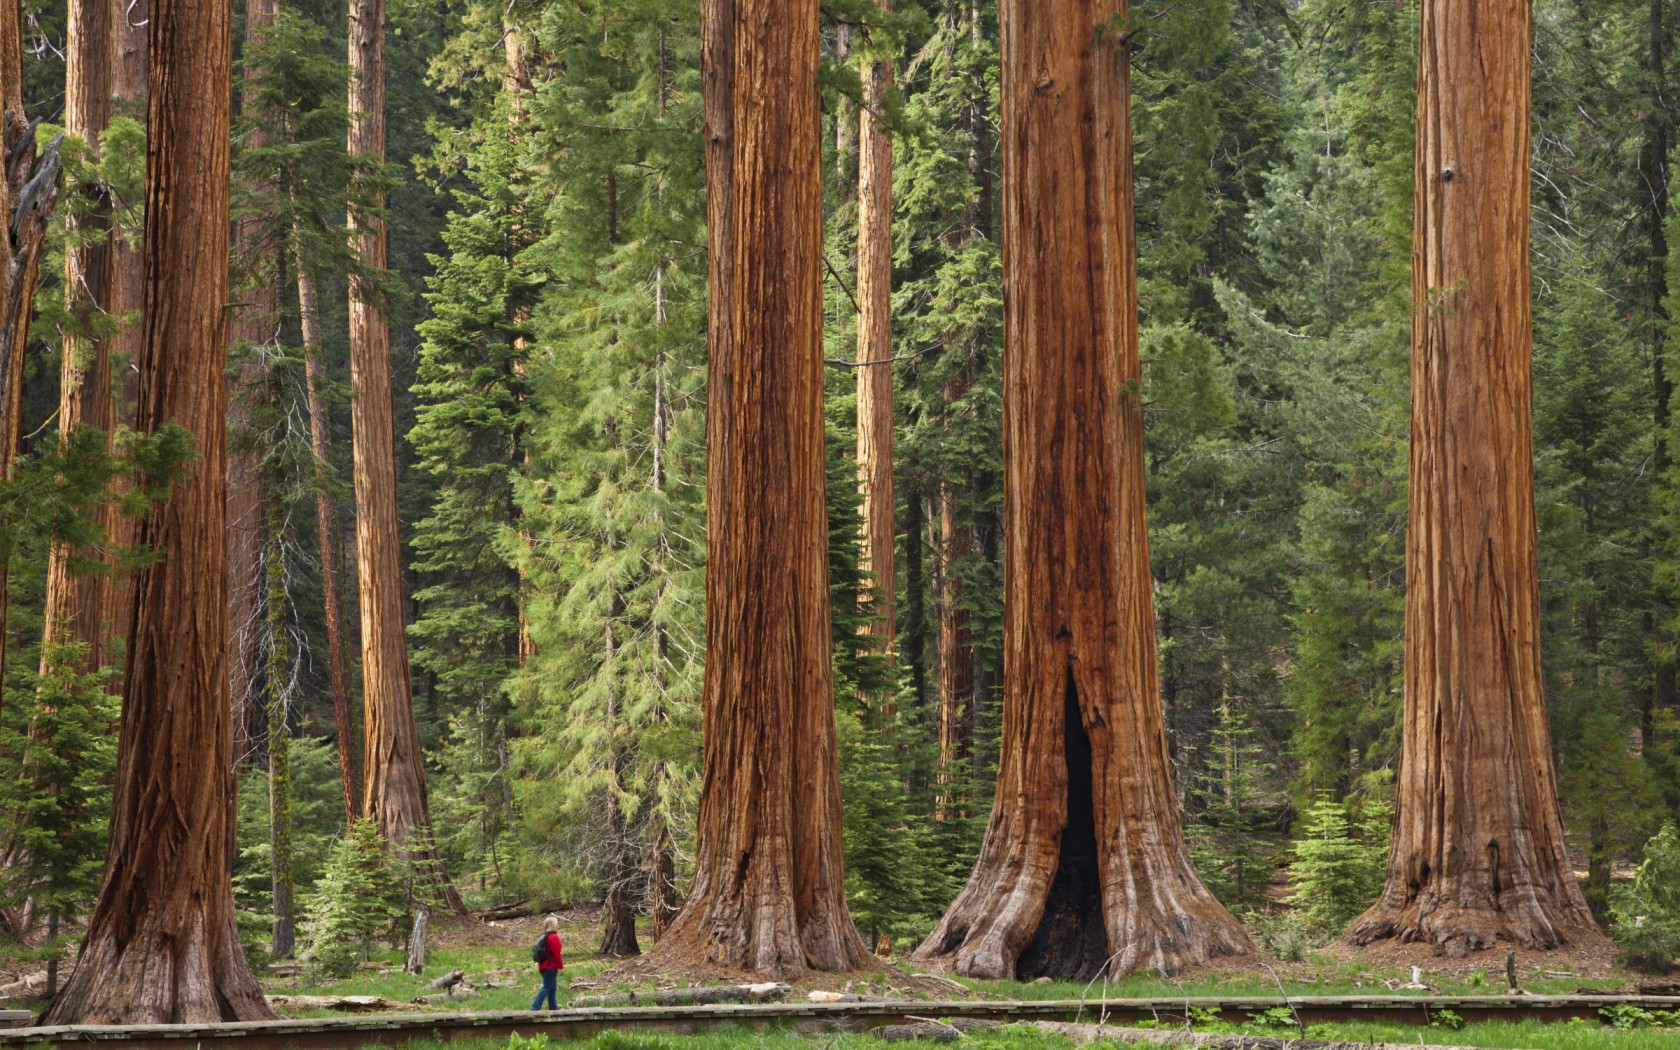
(1478,854)
(612,544)
(1082,870)
(162,944)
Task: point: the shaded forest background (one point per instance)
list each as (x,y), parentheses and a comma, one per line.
(546,291)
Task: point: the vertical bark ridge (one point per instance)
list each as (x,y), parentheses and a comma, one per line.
(874,355)
(77,604)
(768,889)
(393,779)
(255,318)
(127,288)
(1079,637)
(1478,854)
(162,945)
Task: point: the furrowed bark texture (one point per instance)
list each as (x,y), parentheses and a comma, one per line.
(29,187)
(127,290)
(162,945)
(255,315)
(874,352)
(1478,852)
(393,780)
(326,524)
(77,605)
(768,892)
(1084,861)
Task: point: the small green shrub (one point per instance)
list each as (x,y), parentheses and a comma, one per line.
(1626,1016)
(358,898)
(1446,1019)
(1338,869)
(1648,912)
(1283,937)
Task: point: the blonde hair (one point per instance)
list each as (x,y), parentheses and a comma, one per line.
(551,923)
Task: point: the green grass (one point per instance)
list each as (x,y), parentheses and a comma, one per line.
(1525,1035)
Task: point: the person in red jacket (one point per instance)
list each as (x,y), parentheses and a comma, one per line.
(549,963)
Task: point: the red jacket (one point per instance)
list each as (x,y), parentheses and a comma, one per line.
(554,961)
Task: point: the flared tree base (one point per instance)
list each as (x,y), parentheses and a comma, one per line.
(160,978)
(1456,930)
(722,939)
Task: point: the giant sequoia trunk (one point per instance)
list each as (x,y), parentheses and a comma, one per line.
(162,945)
(1478,852)
(1084,864)
(393,780)
(768,890)
(874,350)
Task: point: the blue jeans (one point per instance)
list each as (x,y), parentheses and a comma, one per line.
(547,990)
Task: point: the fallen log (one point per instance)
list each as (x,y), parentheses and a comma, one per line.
(32,985)
(446,982)
(726,993)
(927,1030)
(467,992)
(523,909)
(352,1004)
(1081,1034)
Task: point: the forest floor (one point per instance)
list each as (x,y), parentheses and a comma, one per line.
(495,959)
(499,976)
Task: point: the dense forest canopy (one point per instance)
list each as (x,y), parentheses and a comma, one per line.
(469,393)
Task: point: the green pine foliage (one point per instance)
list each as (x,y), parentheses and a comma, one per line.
(1339,864)
(612,543)
(1648,912)
(1227,831)
(58,752)
(358,899)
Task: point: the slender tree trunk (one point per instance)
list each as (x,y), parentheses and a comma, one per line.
(394,781)
(1084,863)
(956,647)
(78,603)
(874,356)
(768,892)
(28,192)
(1664,685)
(276,679)
(957,687)
(326,524)
(255,317)
(162,945)
(618,937)
(1478,853)
(127,292)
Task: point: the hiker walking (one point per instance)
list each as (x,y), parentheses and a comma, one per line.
(546,954)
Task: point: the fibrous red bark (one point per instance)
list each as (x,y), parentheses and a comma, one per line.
(1478,853)
(29,184)
(162,945)
(1084,867)
(393,779)
(78,603)
(768,890)
(874,354)
(255,318)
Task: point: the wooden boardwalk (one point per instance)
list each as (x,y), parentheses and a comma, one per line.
(396,1029)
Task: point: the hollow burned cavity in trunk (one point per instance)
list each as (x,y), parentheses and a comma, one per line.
(1069,942)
